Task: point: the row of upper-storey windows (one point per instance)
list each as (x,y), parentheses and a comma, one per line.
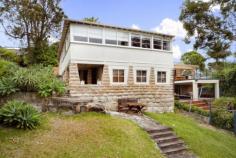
(113,37)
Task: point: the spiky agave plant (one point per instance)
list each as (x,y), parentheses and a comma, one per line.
(19,115)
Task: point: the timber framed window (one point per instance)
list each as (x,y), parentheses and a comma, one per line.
(141,76)
(135,41)
(161,76)
(146,42)
(118,76)
(166,45)
(157,44)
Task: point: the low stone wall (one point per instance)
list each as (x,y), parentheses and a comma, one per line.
(54,104)
(31,98)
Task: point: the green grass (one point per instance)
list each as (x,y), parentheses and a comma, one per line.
(205,141)
(87,135)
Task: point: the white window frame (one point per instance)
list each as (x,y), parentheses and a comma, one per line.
(168,71)
(148,37)
(135,69)
(158,38)
(125,68)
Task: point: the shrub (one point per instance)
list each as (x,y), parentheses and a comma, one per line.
(32,79)
(7,68)
(26,79)
(7,86)
(220,116)
(223,102)
(19,115)
(194,109)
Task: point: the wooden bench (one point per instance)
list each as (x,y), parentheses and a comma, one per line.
(130,105)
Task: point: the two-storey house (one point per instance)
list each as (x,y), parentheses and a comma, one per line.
(105,63)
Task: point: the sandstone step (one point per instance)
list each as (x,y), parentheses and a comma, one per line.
(161,134)
(174,150)
(172,144)
(163,129)
(166,139)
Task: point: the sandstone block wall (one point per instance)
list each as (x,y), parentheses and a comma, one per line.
(157,97)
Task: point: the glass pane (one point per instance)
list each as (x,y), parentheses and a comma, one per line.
(139,73)
(157,44)
(112,42)
(123,43)
(144,79)
(121,73)
(115,79)
(146,42)
(115,73)
(135,41)
(138,79)
(166,45)
(95,40)
(121,79)
(81,38)
(144,73)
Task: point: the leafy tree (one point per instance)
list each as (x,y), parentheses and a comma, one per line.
(91,19)
(33,22)
(48,57)
(227,76)
(194,58)
(214,32)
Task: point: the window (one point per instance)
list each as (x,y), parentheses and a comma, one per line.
(95,35)
(157,44)
(118,75)
(123,38)
(81,38)
(141,76)
(161,77)
(166,45)
(136,42)
(81,34)
(110,37)
(146,42)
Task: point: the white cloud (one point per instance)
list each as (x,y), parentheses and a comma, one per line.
(172,27)
(136,27)
(176,52)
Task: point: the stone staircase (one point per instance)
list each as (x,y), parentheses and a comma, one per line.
(167,141)
(165,138)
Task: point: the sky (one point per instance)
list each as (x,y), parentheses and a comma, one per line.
(151,15)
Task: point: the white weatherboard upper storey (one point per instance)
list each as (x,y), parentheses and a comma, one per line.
(90,53)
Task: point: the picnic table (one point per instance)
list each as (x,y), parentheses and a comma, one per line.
(136,107)
(130,105)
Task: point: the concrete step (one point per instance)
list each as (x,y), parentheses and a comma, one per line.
(175,150)
(166,139)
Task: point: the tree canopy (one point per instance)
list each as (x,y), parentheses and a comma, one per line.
(33,22)
(194,58)
(213,31)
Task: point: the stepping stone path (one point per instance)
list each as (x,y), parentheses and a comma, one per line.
(169,144)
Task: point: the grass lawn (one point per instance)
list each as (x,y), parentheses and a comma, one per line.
(87,135)
(205,141)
